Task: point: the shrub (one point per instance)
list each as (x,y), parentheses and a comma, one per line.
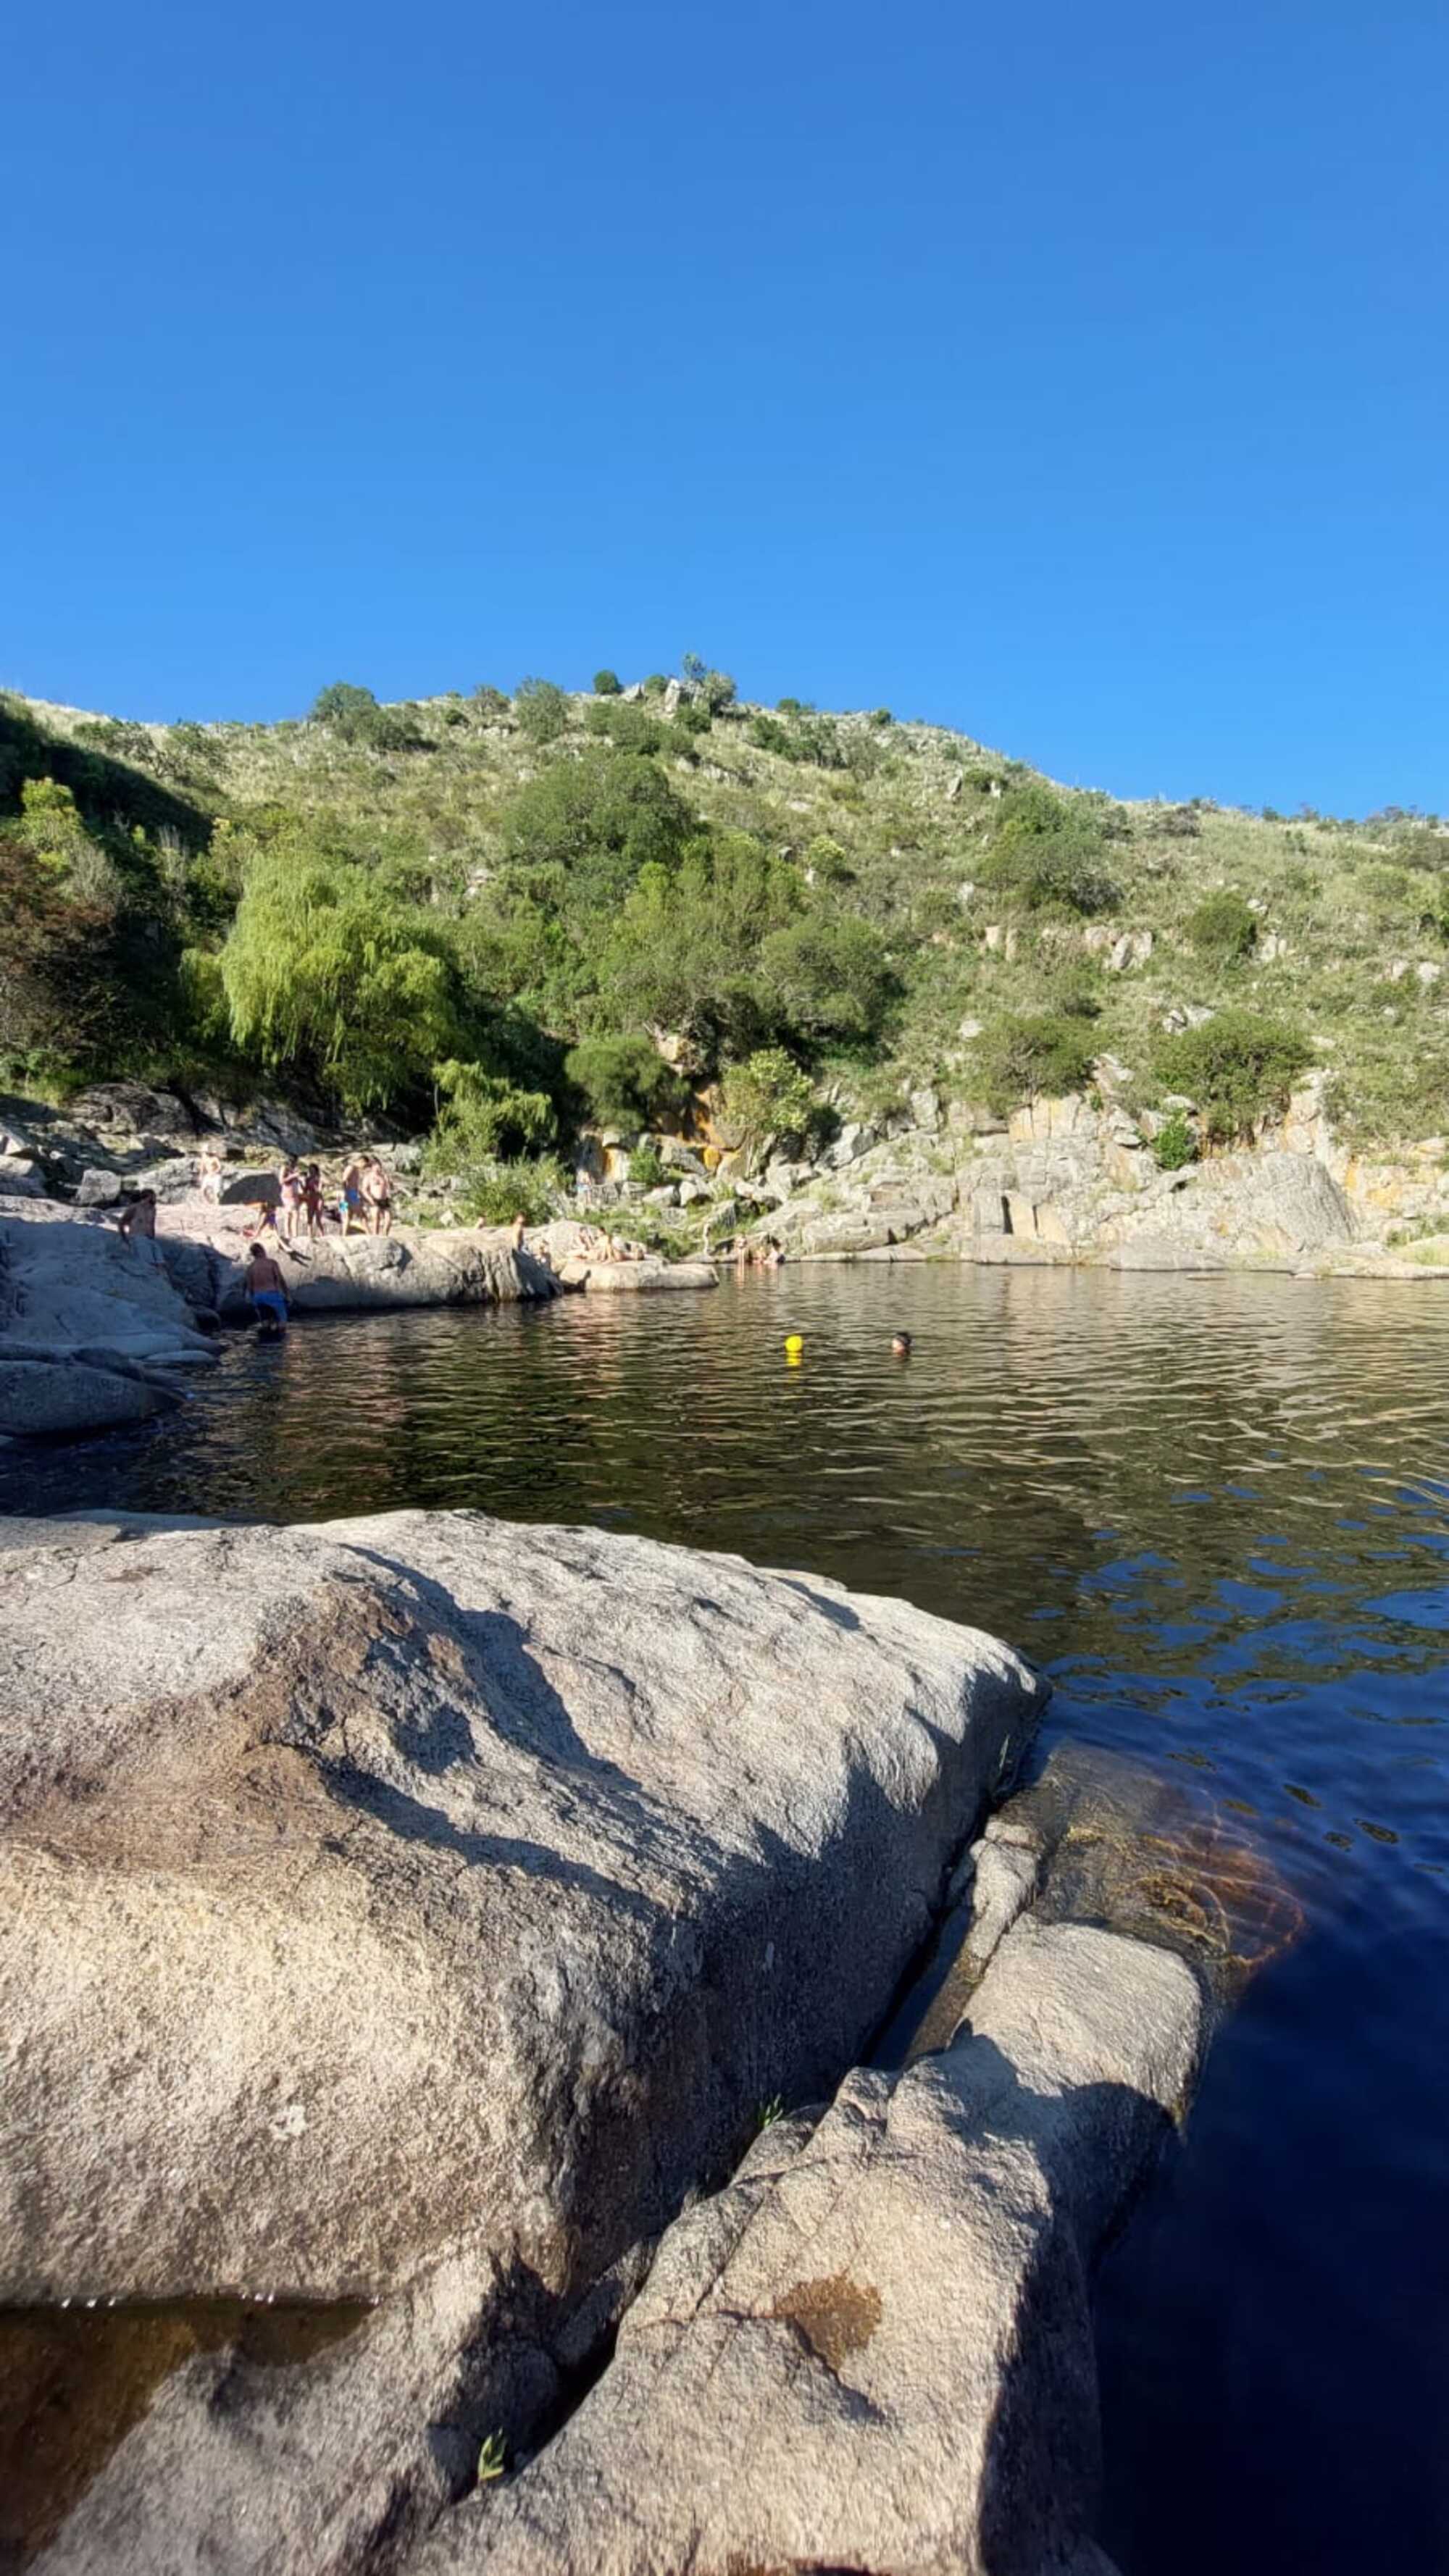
(497,1191)
(646,1171)
(716,690)
(692,716)
(624,1080)
(485,1115)
(768,1096)
(882,716)
(826,976)
(768,734)
(1048,854)
(1237,1067)
(1223,928)
(655,685)
(1174,1144)
(542,711)
(599,820)
(1050,1052)
(607,684)
(627,726)
(490,703)
(354,715)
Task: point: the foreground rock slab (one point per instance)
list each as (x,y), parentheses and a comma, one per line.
(416,1909)
(874,2350)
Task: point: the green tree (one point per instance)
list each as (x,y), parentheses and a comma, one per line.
(607,684)
(825,976)
(768,1097)
(1046,1052)
(624,1081)
(1048,853)
(542,711)
(598,820)
(327,975)
(354,715)
(1238,1067)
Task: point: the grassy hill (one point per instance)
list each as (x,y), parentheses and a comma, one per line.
(540,893)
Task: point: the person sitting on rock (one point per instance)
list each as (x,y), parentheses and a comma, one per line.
(267,1289)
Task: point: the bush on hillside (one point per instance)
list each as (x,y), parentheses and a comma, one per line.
(353,714)
(646,1168)
(825,976)
(607,684)
(1035,1052)
(624,1081)
(1174,1145)
(598,820)
(768,1097)
(542,711)
(491,704)
(627,726)
(1223,928)
(1048,854)
(1238,1067)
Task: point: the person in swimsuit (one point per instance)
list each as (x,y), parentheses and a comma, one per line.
(377,1191)
(291,1189)
(312,1200)
(138,1218)
(208,1174)
(516,1233)
(349,1205)
(267,1289)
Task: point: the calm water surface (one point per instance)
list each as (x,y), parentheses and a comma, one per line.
(1218,1512)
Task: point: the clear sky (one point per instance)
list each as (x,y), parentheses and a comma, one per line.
(1075,375)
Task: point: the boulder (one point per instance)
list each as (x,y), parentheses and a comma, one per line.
(416,1909)
(43,1398)
(874,2349)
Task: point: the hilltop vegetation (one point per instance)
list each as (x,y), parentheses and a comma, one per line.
(509,915)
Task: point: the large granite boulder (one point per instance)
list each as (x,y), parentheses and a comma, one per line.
(87,1323)
(874,2350)
(417,1909)
(205,1248)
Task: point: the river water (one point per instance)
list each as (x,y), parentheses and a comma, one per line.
(1217,1511)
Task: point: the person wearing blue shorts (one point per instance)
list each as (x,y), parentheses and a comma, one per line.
(266,1288)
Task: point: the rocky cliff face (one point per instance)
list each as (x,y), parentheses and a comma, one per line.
(1068,1181)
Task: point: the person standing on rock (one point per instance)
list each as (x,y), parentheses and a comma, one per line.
(208,1175)
(267,1289)
(517,1232)
(377,1192)
(349,1205)
(312,1201)
(290,1192)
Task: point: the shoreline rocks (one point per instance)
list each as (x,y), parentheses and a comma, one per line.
(92,1329)
(432,1903)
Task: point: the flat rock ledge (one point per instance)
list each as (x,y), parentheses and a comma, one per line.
(421,1910)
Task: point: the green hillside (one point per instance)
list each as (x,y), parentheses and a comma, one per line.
(513,909)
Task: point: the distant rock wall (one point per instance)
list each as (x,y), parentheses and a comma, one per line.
(1067,1181)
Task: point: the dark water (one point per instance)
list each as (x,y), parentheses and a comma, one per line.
(1218,1511)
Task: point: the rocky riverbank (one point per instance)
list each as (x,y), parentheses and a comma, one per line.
(417,1917)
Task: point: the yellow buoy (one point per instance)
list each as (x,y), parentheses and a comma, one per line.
(794,1344)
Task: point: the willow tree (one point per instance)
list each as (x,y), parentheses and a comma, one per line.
(327,974)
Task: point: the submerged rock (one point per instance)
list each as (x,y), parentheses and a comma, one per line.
(416,1909)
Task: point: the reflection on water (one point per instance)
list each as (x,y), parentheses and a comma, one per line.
(74,2380)
(1218,1511)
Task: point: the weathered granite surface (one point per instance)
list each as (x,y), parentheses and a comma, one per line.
(92,1330)
(419,1908)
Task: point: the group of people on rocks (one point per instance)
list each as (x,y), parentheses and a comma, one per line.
(301,1207)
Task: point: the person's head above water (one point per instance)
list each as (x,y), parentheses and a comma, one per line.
(901,1345)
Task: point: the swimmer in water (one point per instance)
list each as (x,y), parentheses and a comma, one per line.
(901,1345)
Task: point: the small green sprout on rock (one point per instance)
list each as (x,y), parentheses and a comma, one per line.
(771,2111)
(492,2459)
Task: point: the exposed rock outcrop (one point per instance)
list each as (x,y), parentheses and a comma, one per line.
(92,1329)
(417,1909)
(874,2350)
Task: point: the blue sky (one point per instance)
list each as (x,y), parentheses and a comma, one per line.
(1076,376)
